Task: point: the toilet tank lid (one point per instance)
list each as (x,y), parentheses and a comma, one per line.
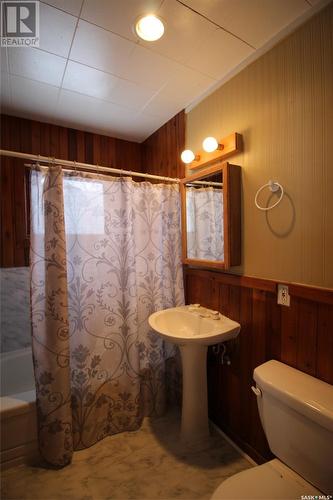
(306,394)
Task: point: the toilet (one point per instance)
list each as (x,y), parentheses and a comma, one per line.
(296,412)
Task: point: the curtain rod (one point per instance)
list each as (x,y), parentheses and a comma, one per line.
(84,166)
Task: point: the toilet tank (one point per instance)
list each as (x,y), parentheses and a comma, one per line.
(296,412)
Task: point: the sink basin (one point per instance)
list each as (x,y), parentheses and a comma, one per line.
(193,329)
(181,326)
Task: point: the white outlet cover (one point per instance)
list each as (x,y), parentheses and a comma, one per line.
(283,297)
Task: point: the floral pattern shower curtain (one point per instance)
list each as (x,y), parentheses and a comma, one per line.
(204,212)
(105,254)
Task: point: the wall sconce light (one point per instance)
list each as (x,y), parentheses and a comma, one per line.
(217,151)
(210,144)
(188,156)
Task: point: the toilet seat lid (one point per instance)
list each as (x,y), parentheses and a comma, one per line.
(270,481)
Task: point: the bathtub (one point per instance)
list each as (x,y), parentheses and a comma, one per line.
(17,409)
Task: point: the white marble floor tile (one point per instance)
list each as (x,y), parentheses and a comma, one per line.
(150,463)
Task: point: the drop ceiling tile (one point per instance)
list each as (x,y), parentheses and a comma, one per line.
(85,109)
(35,98)
(101,85)
(161,106)
(37,65)
(118,16)
(71,6)
(187,84)
(185,31)
(100,49)
(148,68)
(142,125)
(219,54)
(56,30)
(77,110)
(131,95)
(184,86)
(254,21)
(89,81)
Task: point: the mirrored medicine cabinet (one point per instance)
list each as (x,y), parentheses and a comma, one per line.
(211,217)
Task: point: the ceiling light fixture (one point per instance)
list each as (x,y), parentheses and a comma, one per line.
(149,28)
(210,144)
(188,156)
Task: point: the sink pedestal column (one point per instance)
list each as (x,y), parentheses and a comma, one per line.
(194,427)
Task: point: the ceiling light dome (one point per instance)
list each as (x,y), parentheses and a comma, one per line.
(149,28)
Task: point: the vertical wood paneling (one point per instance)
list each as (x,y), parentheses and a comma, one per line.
(25,136)
(245,365)
(72,145)
(29,136)
(300,335)
(45,142)
(325,343)
(96,149)
(7,211)
(89,147)
(63,143)
(54,141)
(307,348)
(161,151)
(273,327)
(289,339)
(80,146)
(19,218)
(35,142)
(259,341)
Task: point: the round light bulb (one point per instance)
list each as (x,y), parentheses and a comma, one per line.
(149,28)
(187,156)
(210,144)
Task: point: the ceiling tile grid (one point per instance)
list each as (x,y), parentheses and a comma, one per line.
(92,72)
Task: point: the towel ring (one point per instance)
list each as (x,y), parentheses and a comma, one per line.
(273,187)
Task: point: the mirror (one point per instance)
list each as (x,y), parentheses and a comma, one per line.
(211,217)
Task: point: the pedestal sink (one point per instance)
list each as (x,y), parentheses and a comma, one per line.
(193,329)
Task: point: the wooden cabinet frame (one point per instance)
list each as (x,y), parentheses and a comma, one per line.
(231,176)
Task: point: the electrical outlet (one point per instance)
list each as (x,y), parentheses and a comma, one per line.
(283,297)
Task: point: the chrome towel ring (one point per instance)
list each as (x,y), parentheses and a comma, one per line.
(273,187)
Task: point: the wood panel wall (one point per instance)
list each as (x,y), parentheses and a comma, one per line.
(300,335)
(161,151)
(30,136)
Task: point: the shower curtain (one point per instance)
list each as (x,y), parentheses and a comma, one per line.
(204,212)
(105,254)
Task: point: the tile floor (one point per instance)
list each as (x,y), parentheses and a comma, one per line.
(147,464)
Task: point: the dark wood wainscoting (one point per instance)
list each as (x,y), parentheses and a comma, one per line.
(300,335)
